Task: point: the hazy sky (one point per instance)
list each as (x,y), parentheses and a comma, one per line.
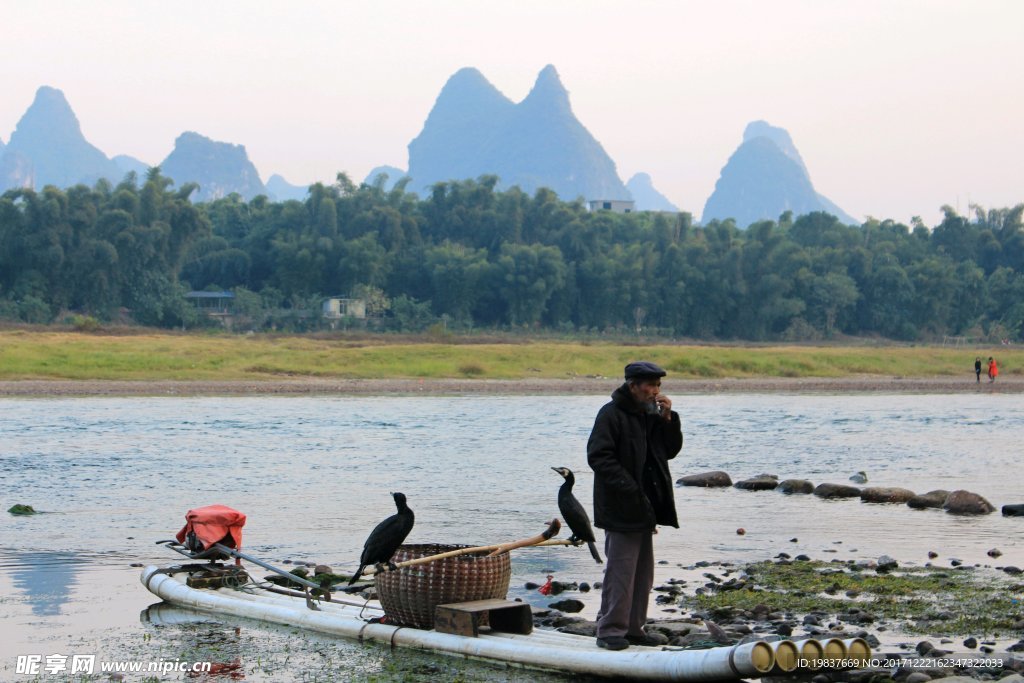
(897,107)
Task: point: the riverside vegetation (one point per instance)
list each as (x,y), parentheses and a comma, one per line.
(470,257)
(42,353)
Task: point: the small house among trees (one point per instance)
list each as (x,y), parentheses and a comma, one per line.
(213,304)
(339,307)
(613,205)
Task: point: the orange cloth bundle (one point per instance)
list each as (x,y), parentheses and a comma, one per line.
(214,524)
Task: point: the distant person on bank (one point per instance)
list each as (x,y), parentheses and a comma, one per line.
(977,367)
(634,437)
(993,369)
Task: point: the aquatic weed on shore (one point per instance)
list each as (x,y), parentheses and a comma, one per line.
(919,600)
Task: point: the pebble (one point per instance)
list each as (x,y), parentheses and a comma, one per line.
(571,605)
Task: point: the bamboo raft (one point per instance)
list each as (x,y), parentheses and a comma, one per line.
(509,639)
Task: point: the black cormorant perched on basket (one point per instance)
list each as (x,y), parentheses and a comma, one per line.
(385,538)
(574,514)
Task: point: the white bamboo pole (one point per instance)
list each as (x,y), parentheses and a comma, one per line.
(578,654)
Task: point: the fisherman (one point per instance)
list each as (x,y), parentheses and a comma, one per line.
(634,437)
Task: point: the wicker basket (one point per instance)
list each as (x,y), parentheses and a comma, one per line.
(410,594)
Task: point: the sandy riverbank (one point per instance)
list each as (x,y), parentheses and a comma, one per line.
(578,385)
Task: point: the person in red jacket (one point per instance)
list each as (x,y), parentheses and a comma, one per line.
(993,369)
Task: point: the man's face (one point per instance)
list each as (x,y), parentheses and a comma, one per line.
(645,390)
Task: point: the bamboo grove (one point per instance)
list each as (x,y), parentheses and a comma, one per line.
(474,257)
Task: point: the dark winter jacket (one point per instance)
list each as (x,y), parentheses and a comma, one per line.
(623,438)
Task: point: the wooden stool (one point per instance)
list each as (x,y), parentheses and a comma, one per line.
(463,618)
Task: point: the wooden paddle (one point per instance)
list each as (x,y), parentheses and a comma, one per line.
(496,549)
(552,530)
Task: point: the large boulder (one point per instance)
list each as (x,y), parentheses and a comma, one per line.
(1013,510)
(932,499)
(962,502)
(796,486)
(836,491)
(762,482)
(707,479)
(886,494)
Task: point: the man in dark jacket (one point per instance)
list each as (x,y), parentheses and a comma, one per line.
(634,437)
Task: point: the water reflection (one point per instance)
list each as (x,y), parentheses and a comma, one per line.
(45,577)
(166,614)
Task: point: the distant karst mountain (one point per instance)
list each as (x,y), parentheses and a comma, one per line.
(764,178)
(126,164)
(280,190)
(47,148)
(473,130)
(15,171)
(219,168)
(646,197)
(393,174)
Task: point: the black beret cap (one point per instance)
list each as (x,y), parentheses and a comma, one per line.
(643,368)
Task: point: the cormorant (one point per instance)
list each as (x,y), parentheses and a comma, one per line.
(385,538)
(574,514)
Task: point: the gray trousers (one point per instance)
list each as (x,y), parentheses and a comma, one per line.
(628,579)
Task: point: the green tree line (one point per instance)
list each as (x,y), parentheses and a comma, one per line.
(474,257)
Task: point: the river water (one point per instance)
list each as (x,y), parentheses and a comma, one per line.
(113,475)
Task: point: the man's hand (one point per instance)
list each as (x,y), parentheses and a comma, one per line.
(665,405)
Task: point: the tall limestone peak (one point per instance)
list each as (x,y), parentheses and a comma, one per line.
(764,178)
(548,93)
(219,168)
(468,85)
(458,125)
(780,136)
(536,143)
(645,195)
(50,139)
(50,114)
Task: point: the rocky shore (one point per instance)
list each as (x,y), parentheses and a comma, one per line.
(530,386)
(897,610)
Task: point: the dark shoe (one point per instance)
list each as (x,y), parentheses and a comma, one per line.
(648,639)
(613,643)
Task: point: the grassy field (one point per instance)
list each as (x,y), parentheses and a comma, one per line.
(32,354)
